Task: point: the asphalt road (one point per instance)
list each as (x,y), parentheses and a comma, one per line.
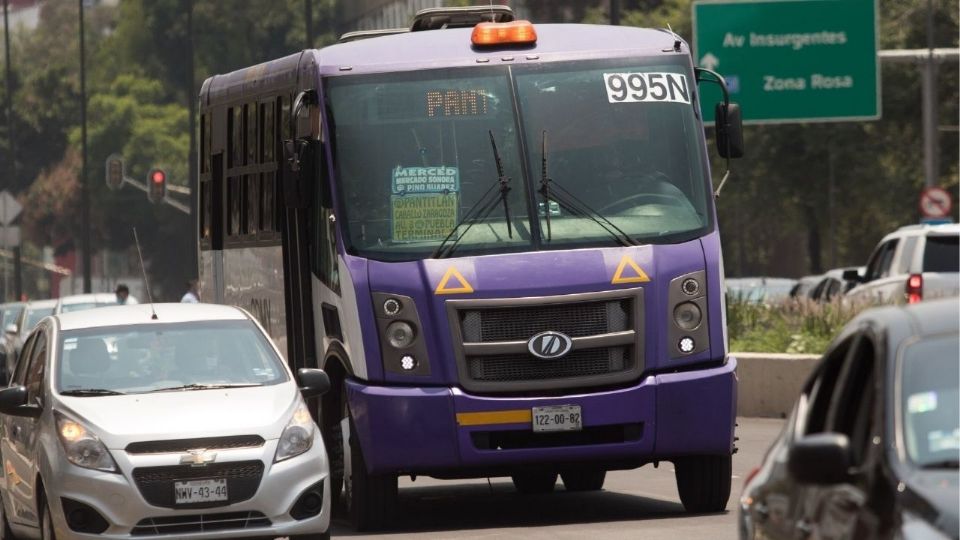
(641,503)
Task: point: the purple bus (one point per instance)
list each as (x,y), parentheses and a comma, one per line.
(497,238)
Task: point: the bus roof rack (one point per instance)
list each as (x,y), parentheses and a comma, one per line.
(459,17)
(357,35)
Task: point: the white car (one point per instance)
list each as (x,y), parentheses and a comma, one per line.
(185,424)
(81,302)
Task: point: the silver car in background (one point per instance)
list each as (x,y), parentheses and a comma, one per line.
(185,424)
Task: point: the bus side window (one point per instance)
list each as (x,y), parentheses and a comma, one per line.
(234,205)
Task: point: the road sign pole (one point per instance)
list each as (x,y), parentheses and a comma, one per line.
(930,141)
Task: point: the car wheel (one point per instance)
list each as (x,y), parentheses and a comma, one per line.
(5,532)
(531,483)
(704,482)
(371,499)
(583,480)
(46,526)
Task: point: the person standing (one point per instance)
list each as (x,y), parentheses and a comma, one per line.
(192,296)
(123,294)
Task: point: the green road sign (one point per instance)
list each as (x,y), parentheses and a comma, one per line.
(791,60)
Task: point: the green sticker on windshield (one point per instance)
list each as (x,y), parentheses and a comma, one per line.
(418,218)
(425,180)
(921,403)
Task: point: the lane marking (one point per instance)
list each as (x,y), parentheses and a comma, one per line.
(452,273)
(638,276)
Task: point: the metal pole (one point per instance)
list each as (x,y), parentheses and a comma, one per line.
(931,156)
(84,188)
(194,165)
(10,140)
(308,21)
(615,12)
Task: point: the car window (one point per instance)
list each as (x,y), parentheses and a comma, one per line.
(873,263)
(36,369)
(145,358)
(906,254)
(823,386)
(942,254)
(19,373)
(929,374)
(886,260)
(851,407)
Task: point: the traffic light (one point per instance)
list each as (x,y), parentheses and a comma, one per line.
(156,185)
(115,172)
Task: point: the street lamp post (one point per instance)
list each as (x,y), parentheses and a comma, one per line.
(84,188)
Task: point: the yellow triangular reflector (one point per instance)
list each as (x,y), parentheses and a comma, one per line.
(445,288)
(637,275)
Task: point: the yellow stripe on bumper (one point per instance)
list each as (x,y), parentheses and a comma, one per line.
(518,416)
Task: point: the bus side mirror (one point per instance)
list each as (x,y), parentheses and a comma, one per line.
(729,129)
(297,175)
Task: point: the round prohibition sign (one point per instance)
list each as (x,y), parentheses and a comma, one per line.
(935,202)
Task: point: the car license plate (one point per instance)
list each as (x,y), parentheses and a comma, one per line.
(200,491)
(557,418)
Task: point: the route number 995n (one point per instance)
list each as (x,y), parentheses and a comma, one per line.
(557,418)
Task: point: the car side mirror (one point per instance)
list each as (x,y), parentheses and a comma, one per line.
(10,328)
(822,459)
(312,382)
(852,275)
(729,130)
(13,401)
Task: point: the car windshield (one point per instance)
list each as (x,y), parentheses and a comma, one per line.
(146,358)
(10,315)
(67,308)
(416,151)
(930,408)
(35,315)
(942,254)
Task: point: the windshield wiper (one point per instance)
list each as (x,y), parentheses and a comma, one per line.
(212,386)
(573,204)
(90,392)
(942,464)
(481,209)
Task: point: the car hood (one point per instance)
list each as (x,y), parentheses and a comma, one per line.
(121,420)
(933,495)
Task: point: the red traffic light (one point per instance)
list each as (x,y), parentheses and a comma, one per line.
(156,185)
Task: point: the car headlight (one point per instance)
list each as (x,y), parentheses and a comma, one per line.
(297,437)
(83,448)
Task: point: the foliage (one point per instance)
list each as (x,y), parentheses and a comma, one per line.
(793,326)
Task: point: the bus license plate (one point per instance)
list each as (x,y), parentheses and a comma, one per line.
(200,491)
(557,418)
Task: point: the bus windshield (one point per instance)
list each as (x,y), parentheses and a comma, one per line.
(414,156)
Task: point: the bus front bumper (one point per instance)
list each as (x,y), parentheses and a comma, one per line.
(446,432)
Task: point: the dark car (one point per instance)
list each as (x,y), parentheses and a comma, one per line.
(872,446)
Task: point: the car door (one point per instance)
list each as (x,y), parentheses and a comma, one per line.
(9,449)
(842,511)
(20,463)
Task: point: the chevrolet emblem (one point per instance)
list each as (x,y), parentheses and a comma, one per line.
(198,457)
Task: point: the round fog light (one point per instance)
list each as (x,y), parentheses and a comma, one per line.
(686,345)
(400,334)
(687,315)
(391,306)
(408,363)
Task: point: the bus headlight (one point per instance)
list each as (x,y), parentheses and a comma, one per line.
(400,334)
(687,315)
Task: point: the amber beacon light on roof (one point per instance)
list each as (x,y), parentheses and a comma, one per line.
(508,33)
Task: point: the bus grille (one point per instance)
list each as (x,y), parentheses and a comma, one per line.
(491,341)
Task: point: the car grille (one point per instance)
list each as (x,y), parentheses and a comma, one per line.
(526,367)
(156,483)
(199,523)
(491,336)
(207,443)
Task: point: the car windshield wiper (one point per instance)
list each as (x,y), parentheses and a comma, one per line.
(942,464)
(481,209)
(90,392)
(573,204)
(212,386)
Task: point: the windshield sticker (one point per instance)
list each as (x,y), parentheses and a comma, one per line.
(418,218)
(921,403)
(426,180)
(554,209)
(646,87)
(69,344)
(940,441)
